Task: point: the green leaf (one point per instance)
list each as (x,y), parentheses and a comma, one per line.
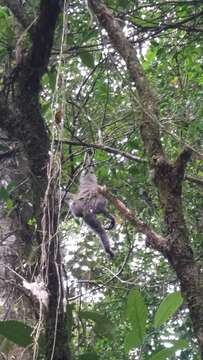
(45,107)
(167,308)
(200,80)
(87,59)
(69,312)
(103,326)
(16,331)
(123,4)
(87,35)
(4,195)
(104,329)
(42,347)
(9,204)
(52,78)
(137,314)
(131,341)
(165,353)
(70,40)
(32,221)
(89,356)
(3,12)
(91,315)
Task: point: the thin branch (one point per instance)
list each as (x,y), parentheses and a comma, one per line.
(103,284)
(109,149)
(194,179)
(105,148)
(182,142)
(175,25)
(166,3)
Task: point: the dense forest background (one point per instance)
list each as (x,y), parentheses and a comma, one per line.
(125,79)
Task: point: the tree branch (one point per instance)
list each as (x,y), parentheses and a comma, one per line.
(182,160)
(194,179)
(154,240)
(106,148)
(175,25)
(111,150)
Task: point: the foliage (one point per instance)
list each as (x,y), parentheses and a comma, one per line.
(20,334)
(167,307)
(17,332)
(137,315)
(100,106)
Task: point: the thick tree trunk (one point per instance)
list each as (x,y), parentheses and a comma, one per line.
(21,120)
(17,240)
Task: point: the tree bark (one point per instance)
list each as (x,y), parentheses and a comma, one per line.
(22,122)
(16,235)
(168,177)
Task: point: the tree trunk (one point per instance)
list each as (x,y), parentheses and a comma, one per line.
(30,224)
(16,235)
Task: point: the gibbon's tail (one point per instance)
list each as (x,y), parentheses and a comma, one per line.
(95,225)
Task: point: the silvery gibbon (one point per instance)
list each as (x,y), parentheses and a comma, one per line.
(87,203)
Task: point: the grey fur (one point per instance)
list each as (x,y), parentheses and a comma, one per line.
(87,203)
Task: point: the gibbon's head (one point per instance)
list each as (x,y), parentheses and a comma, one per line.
(88,178)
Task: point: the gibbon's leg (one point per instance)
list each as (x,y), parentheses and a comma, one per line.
(95,225)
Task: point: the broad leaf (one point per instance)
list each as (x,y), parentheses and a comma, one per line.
(137,314)
(87,59)
(4,194)
(131,341)
(167,308)
(103,326)
(16,331)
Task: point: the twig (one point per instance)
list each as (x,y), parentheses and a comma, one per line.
(106,148)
